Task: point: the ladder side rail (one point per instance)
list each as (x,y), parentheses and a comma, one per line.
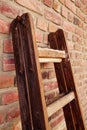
(33,73)
(66,65)
(24,100)
(33,81)
(60,44)
(62,84)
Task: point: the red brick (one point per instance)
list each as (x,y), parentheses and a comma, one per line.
(46,38)
(84,10)
(13,113)
(4,26)
(69,36)
(56,115)
(84,1)
(78,31)
(74,38)
(17,126)
(2,117)
(56,121)
(85,35)
(69,26)
(51,74)
(39,36)
(70,5)
(80,40)
(8,67)
(78,3)
(8,61)
(55,18)
(70,17)
(42,24)
(64,12)
(9,97)
(48,74)
(50,96)
(8,64)
(57,6)
(76,21)
(78,47)
(50,86)
(34,5)
(48,2)
(45,75)
(8,46)
(62,1)
(85,27)
(52,27)
(48,65)
(70,45)
(80,14)
(86,19)
(6,81)
(8,9)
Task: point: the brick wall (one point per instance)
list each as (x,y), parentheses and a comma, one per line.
(48,15)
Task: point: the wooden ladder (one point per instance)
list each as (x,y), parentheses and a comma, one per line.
(33,109)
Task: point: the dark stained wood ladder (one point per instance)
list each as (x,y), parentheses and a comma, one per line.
(33,109)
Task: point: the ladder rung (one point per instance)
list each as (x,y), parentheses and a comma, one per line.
(60,103)
(44,60)
(50,53)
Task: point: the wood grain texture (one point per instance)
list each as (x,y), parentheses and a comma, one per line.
(66,83)
(24,98)
(60,103)
(50,53)
(29,80)
(45,60)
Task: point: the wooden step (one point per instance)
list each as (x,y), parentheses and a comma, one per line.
(50,53)
(60,103)
(46,60)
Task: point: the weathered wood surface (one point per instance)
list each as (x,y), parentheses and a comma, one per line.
(55,60)
(24,97)
(60,103)
(31,94)
(50,53)
(29,80)
(66,83)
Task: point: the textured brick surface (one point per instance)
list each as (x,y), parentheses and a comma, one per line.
(48,2)
(57,6)
(8,9)
(48,16)
(2,117)
(64,12)
(13,113)
(42,24)
(62,1)
(53,17)
(70,5)
(6,81)
(34,5)
(52,27)
(69,26)
(4,26)
(17,126)
(8,64)
(8,46)
(9,97)
(39,36)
